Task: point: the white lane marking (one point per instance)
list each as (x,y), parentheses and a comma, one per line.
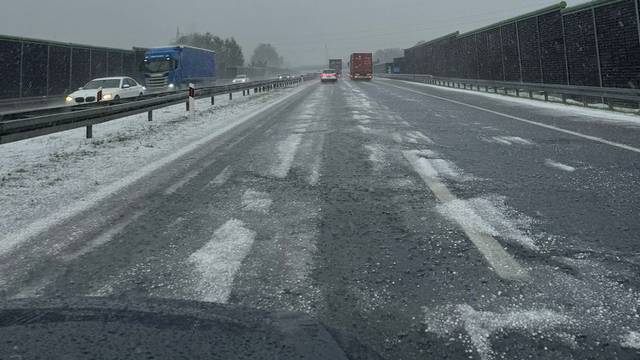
(446,168)
(221,178)
(531,122)
(486,218)
(316,165)
(499,140)
(175,187)
(10,241)
(502,262)
(286,152)
(220,259)
(256,201)
(559,166)
(481,325)
(631,340)
(103,238)
(516,140)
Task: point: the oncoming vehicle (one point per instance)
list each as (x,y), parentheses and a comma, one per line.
(113,88)
(284,77)
(329,75)
(240,79)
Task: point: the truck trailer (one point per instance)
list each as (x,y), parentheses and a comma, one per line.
(336,64)
(361,66)
(173,68)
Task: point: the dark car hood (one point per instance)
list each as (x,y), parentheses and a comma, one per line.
(99,328)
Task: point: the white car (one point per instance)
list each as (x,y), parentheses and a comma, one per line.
(240,79)
(329,75)
(113,88)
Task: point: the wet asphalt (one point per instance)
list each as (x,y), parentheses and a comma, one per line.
(315,206)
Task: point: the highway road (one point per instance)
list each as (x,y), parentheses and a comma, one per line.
(429,223)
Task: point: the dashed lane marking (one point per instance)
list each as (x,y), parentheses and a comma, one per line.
(502,262)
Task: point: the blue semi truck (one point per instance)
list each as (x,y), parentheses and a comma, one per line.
(172,68)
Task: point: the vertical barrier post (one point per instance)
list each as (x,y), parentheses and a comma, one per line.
(213,100)
(231,96)
(89,131)
(150,116)
(192,101)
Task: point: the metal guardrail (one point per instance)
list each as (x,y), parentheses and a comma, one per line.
(565,92)
(28,124)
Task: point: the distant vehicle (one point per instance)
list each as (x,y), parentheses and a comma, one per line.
(175,67)
(284,76)
(113,88)
(329,75)
(240,79)
(336,64)
(361,66)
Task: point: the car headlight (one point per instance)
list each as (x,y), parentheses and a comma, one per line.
(171,86)
(68,99)
(144,88)
(107,97)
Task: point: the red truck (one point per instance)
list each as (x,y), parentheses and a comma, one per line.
(361,66)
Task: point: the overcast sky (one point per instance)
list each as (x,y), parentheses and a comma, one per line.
(299,29)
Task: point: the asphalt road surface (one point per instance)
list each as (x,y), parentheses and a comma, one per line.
(431,224)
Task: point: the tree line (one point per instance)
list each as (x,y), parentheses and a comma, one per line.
(229,53)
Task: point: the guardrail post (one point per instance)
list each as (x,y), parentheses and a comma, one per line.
(230,96)
(213,100)
(150,116)
(89,131)
(546,96)
(192,101)
(530,94)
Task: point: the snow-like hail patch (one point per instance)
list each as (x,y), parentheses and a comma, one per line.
(631,340)
(362,118)
(426,163)
(490,217)
(221,178)
(256,201)
(510,140)
(286,153)
(376,155)
(363,129)
(559,166)
(480,326)
(220,259)
(417,136)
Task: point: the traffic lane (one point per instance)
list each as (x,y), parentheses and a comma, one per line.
(563,289)
(579,189)
(384,252)
(612,126)
(88,249)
